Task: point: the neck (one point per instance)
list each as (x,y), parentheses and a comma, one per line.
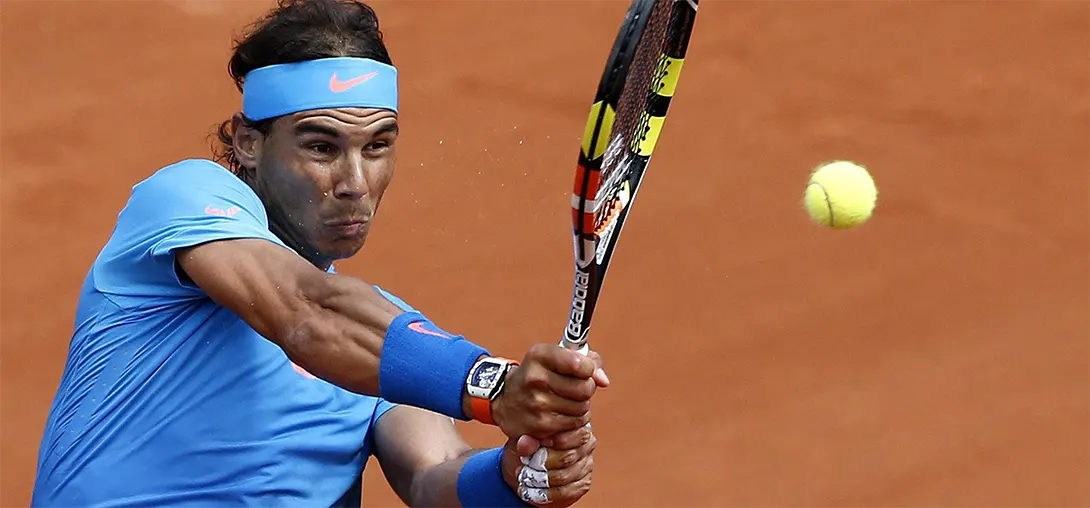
(281,225)
(278,225)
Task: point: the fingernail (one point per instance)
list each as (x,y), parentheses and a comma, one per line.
(602,374)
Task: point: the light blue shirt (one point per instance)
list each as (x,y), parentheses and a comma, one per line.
(168,398)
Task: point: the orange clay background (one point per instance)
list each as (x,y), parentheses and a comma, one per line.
(936,356)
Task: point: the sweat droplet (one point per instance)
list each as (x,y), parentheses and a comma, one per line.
(325,194)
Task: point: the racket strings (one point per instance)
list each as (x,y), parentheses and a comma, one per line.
(631,123)
(607,216)
(646,66)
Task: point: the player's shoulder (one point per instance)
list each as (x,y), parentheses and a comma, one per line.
(193,180)
(190,172)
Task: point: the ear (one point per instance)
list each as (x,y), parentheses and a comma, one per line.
(247,142)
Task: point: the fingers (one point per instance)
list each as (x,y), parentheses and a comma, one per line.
(563,361)
(580,386)
(564,407)
(527,445)
(558,479)
(569,475)
(544,425)
(552,392)
(568,440)
(567,373)
(537,460)
(571,388)
(549,425)
(550,459)
(539,414)
(600,377)
(556,496)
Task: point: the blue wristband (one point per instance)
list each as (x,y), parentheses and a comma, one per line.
(424,366)
(481,485)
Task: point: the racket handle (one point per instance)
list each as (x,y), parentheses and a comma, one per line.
(582,349)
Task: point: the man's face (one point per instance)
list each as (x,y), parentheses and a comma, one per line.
(321,175)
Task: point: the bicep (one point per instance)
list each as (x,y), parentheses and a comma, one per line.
(410,442)
(265,284)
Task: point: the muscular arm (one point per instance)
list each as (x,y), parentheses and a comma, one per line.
(331,325)
(421,454)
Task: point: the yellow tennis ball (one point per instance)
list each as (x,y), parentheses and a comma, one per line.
(840,195)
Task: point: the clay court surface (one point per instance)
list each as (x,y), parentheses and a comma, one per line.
(937,356)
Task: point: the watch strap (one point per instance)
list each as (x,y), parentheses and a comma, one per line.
(482,406)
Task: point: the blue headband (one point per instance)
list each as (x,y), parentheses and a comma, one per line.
(341,82)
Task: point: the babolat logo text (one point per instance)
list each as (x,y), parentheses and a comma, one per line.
(578,305)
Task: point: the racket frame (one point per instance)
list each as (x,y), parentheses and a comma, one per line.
(594,245)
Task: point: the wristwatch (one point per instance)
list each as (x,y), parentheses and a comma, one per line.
(484,383)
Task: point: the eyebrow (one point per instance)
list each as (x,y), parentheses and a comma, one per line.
(313,128)
(389,127)
(309,128)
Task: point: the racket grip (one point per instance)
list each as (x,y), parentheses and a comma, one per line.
(582,349)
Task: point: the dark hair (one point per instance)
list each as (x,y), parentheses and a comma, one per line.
(298,30)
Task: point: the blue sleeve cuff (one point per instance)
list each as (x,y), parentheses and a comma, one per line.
(424,366)
(481,485)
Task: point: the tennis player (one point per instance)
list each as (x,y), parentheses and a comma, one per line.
(219,360)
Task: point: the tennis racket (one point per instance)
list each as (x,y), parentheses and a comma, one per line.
(623,128)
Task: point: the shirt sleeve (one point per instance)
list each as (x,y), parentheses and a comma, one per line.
(395,300)
(381,408)
(182,205)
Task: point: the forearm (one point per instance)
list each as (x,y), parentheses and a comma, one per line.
(452,483)
(344,337)
(339,335)
(438,486)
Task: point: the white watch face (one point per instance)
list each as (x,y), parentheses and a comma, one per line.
(485,378)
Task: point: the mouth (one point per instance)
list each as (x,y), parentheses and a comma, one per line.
(350,228)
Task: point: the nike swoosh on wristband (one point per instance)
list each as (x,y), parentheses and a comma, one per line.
(338,86)
(418,327)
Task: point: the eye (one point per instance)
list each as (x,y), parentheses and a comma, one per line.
(377,146)
(322,148)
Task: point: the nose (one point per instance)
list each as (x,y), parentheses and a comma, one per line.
(351,182)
